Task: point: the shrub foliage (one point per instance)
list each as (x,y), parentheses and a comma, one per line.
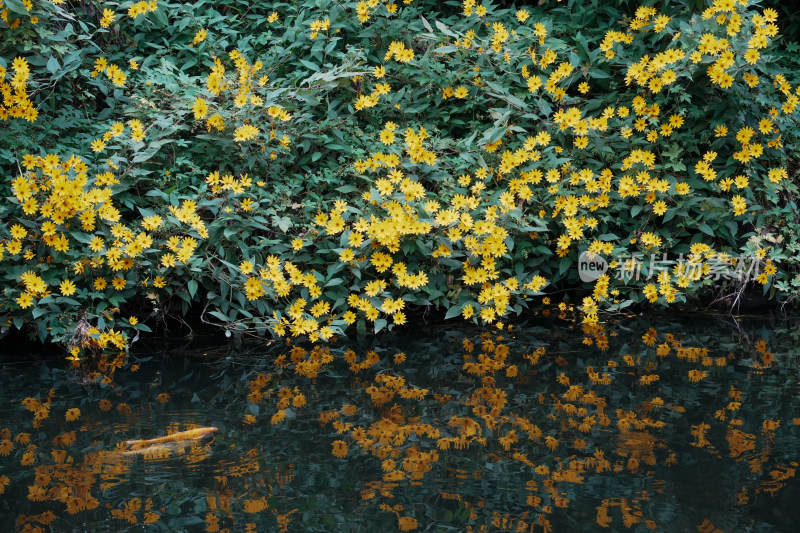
(302,168)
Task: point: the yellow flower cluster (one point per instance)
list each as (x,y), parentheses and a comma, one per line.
(400,53)
(113,72)
(117,129)
(142,7)
(649,71)
(108,18)
(244,93)
(365,8)
(318,26)
(365,101)
(15,102)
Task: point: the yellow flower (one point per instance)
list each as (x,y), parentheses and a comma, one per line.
(254,289)
(279,416)
(168,260)
(246,267)
(739,205)
(339,449)
(200,109)
(18,232)
(108,18)
(697,375)
(752,56)
(406,523)
(6,447)
(387,136)
(245,133)
(67,287)
(775,175)
(320,308)
(25,300)
(73,414)
(651,292)
(297,244)
(199,37)
(682,188)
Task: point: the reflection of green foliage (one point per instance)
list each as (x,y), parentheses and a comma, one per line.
(597,435)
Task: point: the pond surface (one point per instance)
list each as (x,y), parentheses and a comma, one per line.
(643,425)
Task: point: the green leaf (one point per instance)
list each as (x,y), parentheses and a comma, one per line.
(192,287)
(309,65)
(16,6)
(52,65)
(444,29)
(453,312)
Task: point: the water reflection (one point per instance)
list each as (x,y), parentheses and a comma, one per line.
(634,426)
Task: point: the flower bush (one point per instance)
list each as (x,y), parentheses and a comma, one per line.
(308,168)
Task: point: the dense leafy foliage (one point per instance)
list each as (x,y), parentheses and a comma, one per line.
(303,167)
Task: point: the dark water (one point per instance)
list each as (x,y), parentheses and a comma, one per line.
(643,425)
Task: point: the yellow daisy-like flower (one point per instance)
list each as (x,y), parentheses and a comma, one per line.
(739,205)
(199,37)
(67,287)
(246,267)
(245,133)
(339,449)
(25,300)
